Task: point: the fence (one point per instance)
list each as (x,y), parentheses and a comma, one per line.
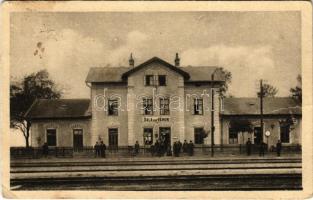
(144,151)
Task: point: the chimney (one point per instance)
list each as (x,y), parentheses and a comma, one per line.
(177,60)
(131,61)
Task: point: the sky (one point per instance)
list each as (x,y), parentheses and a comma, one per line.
(251,45)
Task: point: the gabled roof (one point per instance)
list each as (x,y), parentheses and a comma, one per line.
(251,106)
(119,74)
(158,60)
(59,108)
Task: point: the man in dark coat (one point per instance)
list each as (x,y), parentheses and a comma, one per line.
(45,149)
(190,148)
(248,147)
(157,148)
(185,146)
(262,148)
(179,144)
(175,149)
(102,149)
(136,148)
(97,148)
(278,147)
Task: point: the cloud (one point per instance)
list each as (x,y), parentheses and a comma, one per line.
(135,42)
(248,64)
(68,57)
(70,54)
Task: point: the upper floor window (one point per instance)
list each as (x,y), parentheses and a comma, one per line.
(51,137)
(198,106)
(113,107)
(147,106)
(164,106)
(149,80)
(162,80)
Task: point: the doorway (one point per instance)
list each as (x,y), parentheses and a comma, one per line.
(257,135)
(165,135)
(77,139)
(113,138)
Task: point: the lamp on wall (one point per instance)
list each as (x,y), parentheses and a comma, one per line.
(272,126)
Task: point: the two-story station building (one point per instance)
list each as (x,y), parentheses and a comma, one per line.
(157,100)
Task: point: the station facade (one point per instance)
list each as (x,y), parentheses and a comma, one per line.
(153,101)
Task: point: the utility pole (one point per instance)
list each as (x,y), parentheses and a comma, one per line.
(261,107)
(212,117)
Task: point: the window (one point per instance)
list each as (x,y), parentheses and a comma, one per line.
(162,80)
(148,106)
(284,133)
(164,106)
(199,135)
(51,137)
(233,136)
(149,80)
(113,107)
(198,106)
(148,136)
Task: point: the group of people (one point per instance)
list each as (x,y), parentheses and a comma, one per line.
(187,148)
(161,148)
(263,147)
(100,148)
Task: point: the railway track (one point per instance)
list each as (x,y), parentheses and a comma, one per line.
(239,174)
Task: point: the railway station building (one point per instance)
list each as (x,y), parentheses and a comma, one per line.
(157,100)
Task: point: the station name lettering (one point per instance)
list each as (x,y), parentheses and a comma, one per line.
(156,119)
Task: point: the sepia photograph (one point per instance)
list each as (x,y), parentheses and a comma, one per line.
(156,100)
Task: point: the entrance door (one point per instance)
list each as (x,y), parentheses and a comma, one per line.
(113,138)
(257,135)
(165,135)
(77,139)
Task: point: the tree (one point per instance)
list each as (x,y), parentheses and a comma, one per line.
(296,92)
(228,76)
(23,93)
(268,90)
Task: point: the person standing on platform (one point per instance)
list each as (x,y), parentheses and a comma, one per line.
(248,147)
(278,147)
(185,146)
(175,149)
(179,144)
(102,149)
(136,148)
(262,149)
(96,148)
(190,148)
(45,149)
(157,148)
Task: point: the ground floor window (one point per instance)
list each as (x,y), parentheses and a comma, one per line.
(51,137)
(148,136)
(233,136)
(285,133)
(199,135)
(113,137)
